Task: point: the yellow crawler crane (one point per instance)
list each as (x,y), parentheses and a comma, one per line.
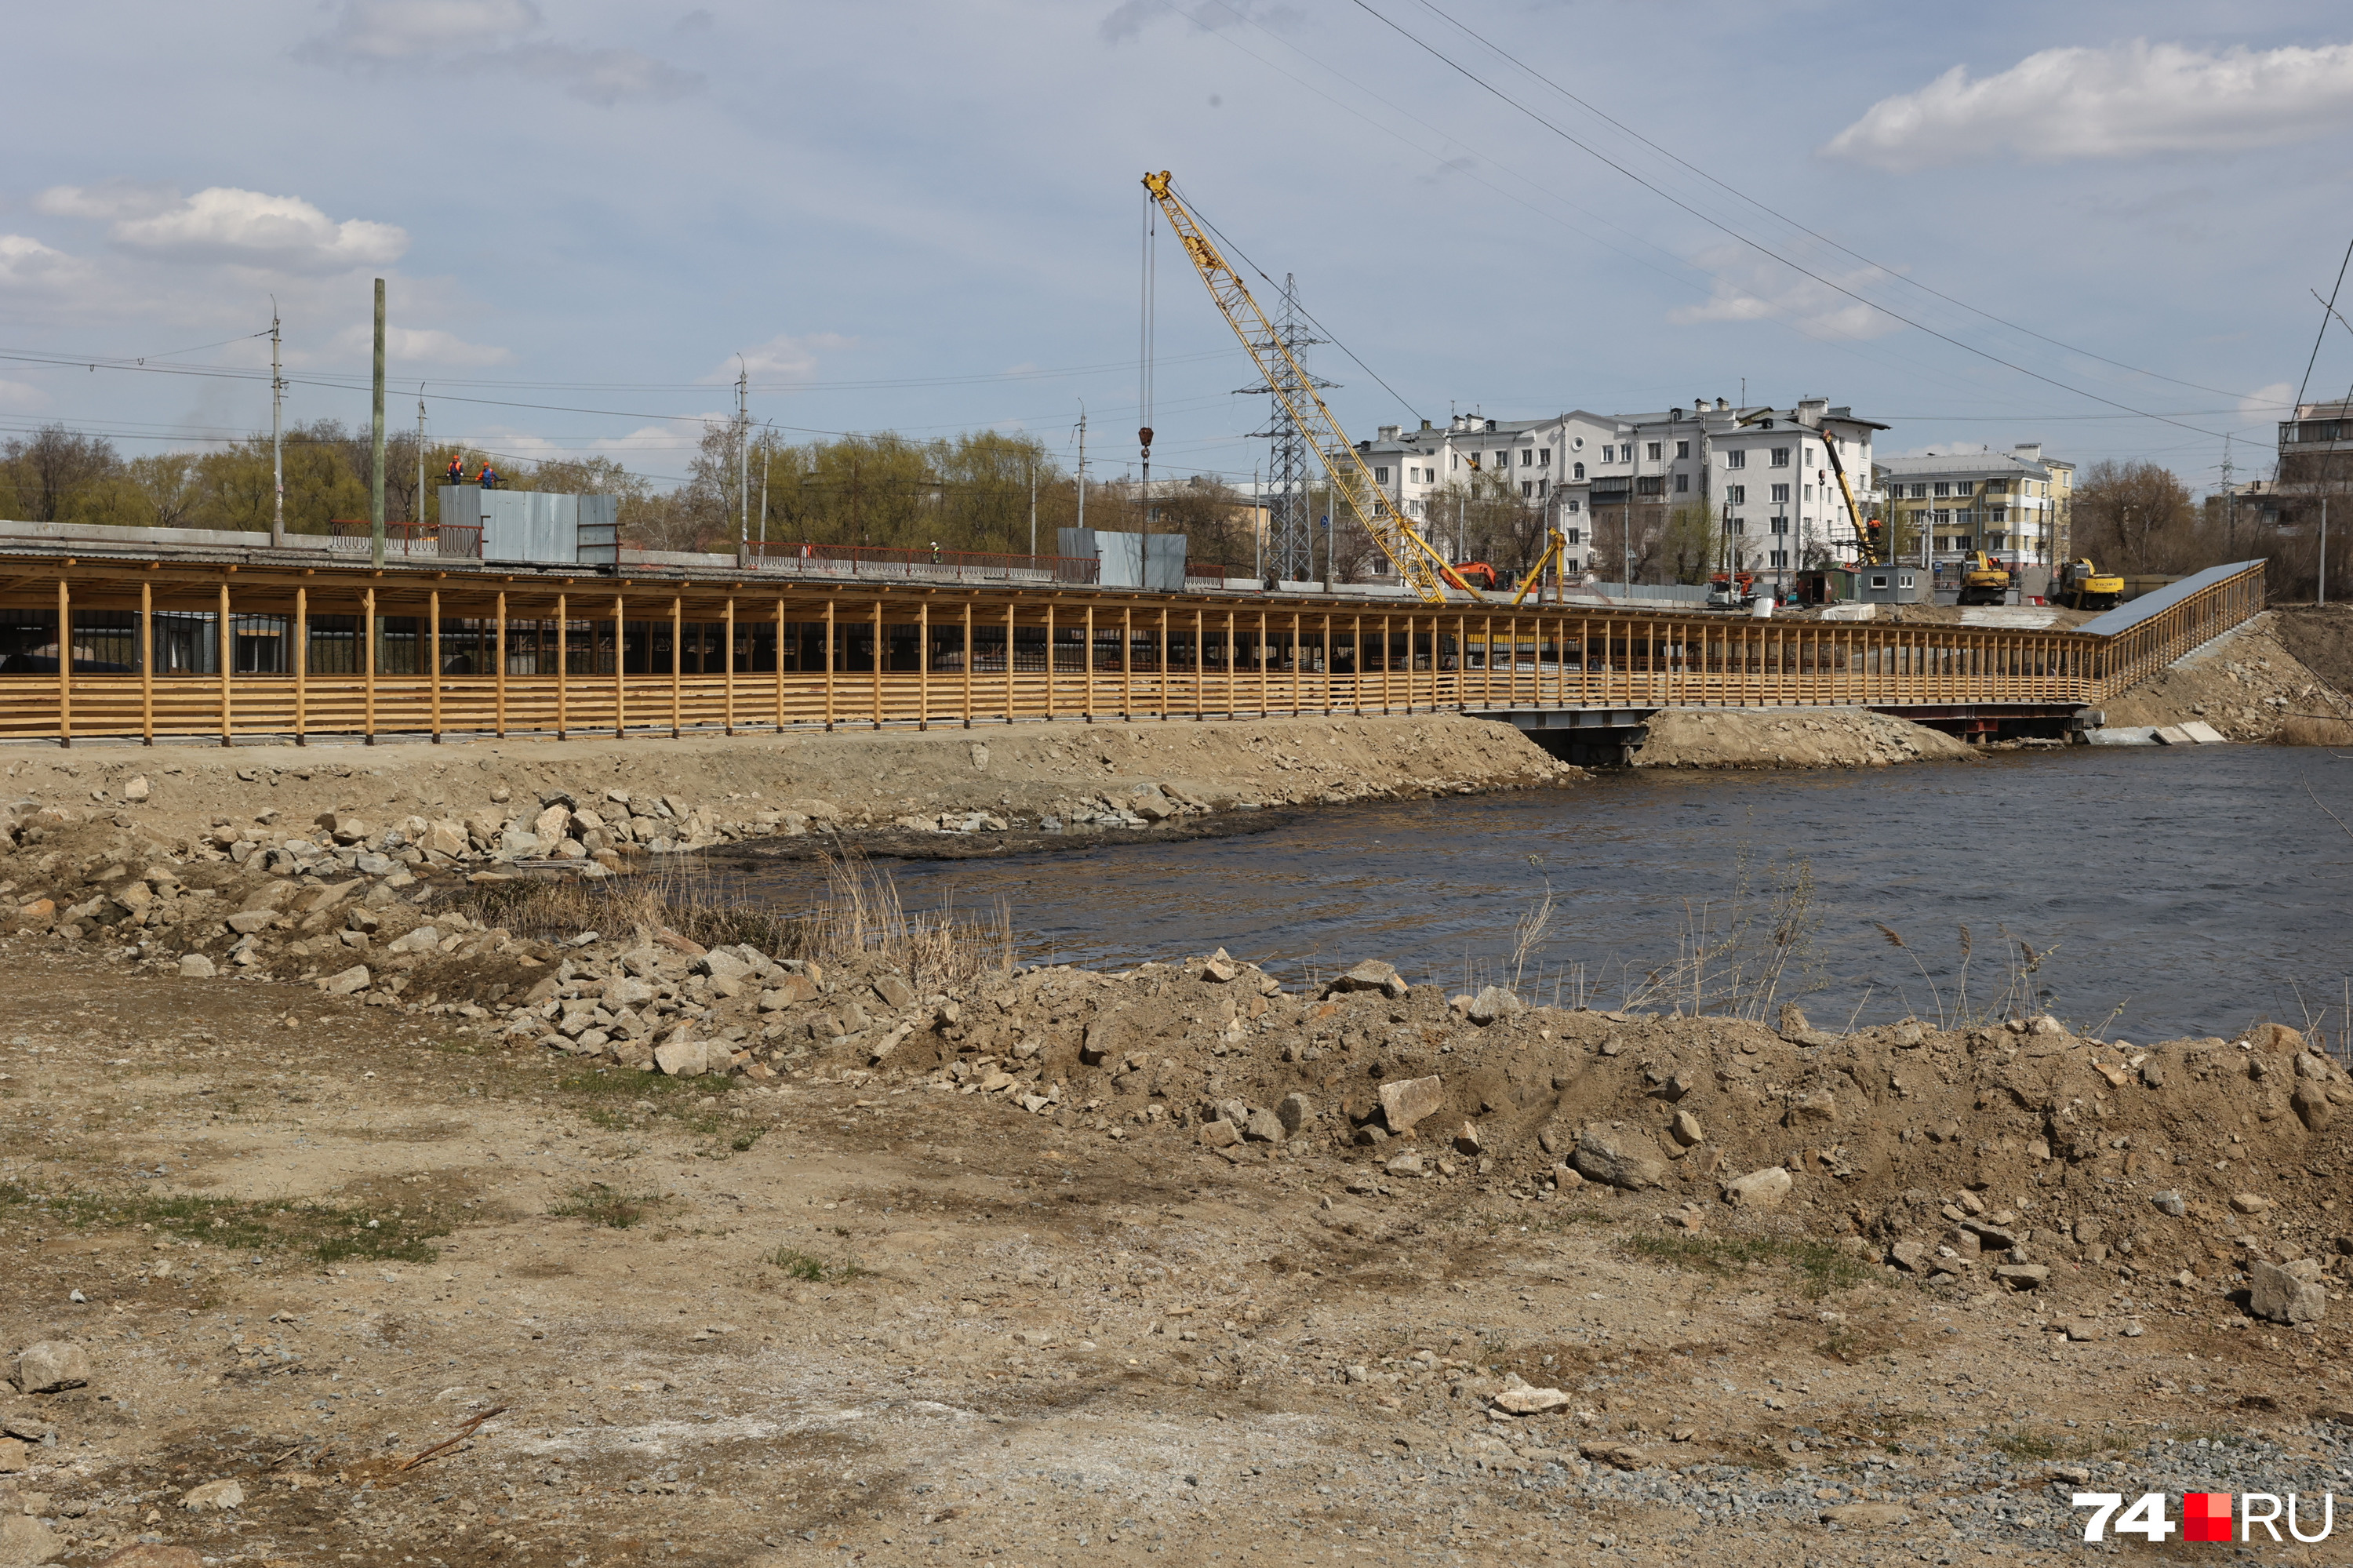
(1415,561)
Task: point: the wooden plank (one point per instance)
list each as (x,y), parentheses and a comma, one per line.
(829,663)
(147,666)
(225,637)
(728,723)
(1088,661)
(875,665)
(562,656)
(924,663)
(1127,664)
(1009,661)
(65,661)
(677,657)
(967,663)
(499,675)
(1049,660)
(780,663)
(620,667)
(432,658)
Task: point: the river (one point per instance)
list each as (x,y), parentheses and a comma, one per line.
(2166,891)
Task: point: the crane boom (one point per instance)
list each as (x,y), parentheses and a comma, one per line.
(1415,560)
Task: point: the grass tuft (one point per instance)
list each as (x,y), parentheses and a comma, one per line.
(1820,1268)
(600,1205)
(798,1264)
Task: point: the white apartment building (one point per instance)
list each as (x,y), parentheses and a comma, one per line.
(1761,473)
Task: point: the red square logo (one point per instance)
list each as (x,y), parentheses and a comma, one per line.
(2206,1516)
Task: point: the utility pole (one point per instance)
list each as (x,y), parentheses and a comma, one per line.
(2229,502)
(375,432)
(1082,469)
(768,454)
(277,436)
(2324,550)
(1033,506)
(744,452)
(420,518)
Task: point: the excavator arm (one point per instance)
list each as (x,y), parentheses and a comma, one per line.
(1415,560)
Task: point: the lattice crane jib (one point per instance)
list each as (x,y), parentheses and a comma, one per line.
(1415,561)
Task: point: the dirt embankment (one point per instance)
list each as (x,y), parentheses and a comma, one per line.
(453,804)
(2251,685)
(907,1265)
(1789,737)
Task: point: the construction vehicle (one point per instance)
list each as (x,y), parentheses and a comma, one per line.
(1731,590)
(1416,559)
(1985,580)
(2081,586)
(1472,576)
(1535,579)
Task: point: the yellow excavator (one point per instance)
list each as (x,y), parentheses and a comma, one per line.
(2080,586)
(1984,580)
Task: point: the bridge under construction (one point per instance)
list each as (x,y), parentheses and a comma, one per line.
(122,635)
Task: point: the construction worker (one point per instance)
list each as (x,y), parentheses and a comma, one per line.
(457,471)
(490,476)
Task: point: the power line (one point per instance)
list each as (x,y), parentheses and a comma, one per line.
(1756,245)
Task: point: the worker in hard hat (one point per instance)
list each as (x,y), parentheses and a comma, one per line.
(490,476)
(457,470)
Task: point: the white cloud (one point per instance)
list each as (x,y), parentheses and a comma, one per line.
(2125,101)
(2268,402)
(27,263)
(18,397)
(498,37)
(1748,289)
(414,346)
(227,225)
(782,357)
(114,200)
(1128,19)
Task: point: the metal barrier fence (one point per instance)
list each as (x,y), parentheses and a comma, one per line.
(878,563)
(354,537)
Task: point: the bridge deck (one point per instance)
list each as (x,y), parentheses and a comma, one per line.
(514,651)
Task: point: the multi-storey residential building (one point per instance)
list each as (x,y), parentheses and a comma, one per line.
(1759,473)
(2013,505)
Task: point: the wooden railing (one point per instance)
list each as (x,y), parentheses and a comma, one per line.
(804,655)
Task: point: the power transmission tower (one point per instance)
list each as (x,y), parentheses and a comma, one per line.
(1290,530)
(2230,502)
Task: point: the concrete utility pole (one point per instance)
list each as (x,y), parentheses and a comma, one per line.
(375,432)
(744,452)
(277,436)
(420,518)
(1082,472)
(1033,506)
(2324,550)
(767,455)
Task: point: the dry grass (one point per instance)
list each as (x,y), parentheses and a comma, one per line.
(861,918)
(2308,729)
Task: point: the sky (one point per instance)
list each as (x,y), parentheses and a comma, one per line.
(2100,226)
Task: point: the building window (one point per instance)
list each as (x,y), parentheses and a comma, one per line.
(1528,488)
(1683,483)
(1453,460)
(1541,486)
(1780,524)
(1920,492)
(1943,488)
(1961,487)
(1413,508)
(1577,470)
(1654,452)
(1781,495)
(1649,485)
(1735,457)
(1736,493)
(1543,457)
(1944,517)
(1740,525)
(1683,449)
(1573,505)
(2001,513)
(1609,454)
(1780,558)
(1527,457)
(1502,460)
(1380,476)
(1879,580)
(1780,457)
(1573,535)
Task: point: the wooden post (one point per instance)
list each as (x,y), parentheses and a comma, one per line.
(1089,661)
(65,660)
(924,663)
(1385,664)
(676,656)
(1164,665)
(780,663)
(1298,668)
(500,680)
(1009,661)
(727,723)
(1049,658)
(147,667)
(876,663)
(1200,668)
(1127,664)
(228,658)
(562,663)
(1355,661)
(621,667)
(829,663)
(432,658)
(967,663)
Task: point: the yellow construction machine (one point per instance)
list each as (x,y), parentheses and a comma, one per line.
(1984,580)
(2080,586)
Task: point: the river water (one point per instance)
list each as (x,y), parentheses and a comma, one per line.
(2176,891)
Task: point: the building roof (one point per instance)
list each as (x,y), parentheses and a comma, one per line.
(1956,465)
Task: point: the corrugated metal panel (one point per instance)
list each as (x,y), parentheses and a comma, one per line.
(597,533)
(2125,617)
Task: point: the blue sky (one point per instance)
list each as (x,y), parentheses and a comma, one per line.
(926,217)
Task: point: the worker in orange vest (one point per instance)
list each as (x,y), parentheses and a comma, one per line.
(490,477)
(457,471)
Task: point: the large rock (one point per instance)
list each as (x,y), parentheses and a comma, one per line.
(2289,1293)
(1494,1003)
(1263,1126)
(2311,1101)
(352,979)
(1294,1111)
(447,839)
(1629,1158)
(49,1366)
(1370,975)
(1405,1101)
(217,1497)
(895,993)
(688,1058)
(27,1542)
(1759,1188)
(196,966)
(1527,1401)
